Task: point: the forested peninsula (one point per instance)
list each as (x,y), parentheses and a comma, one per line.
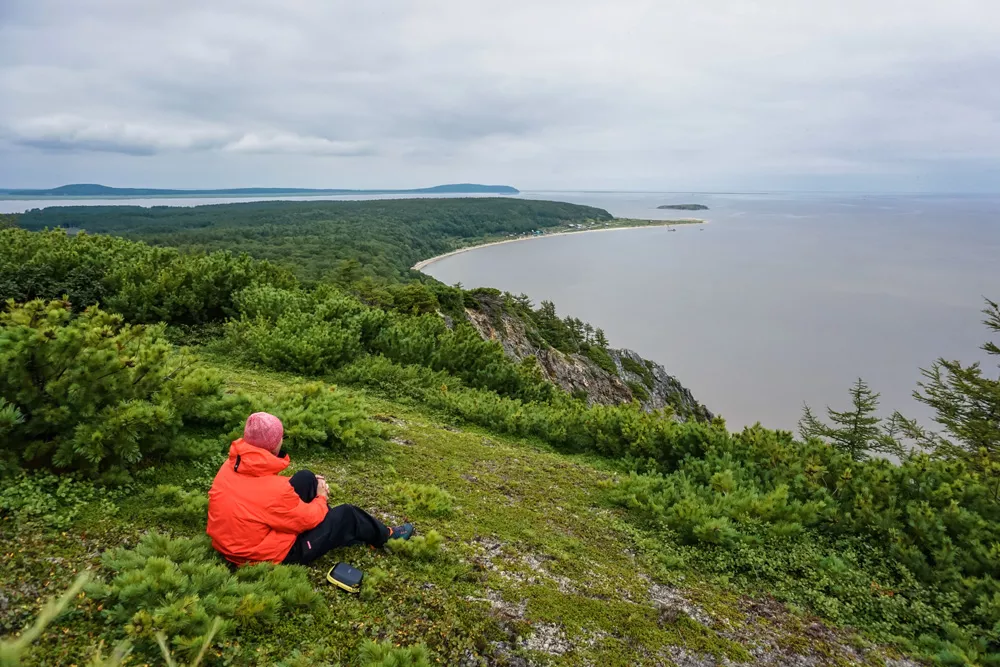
(575,504)
(684,207)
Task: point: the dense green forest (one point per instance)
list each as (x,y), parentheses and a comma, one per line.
(386,237)
(111,432)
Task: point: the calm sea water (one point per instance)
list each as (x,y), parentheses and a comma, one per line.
(779,300)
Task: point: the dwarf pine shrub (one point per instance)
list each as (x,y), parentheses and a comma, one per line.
(319,415)
(10,417)
(315,654)
(901,549)
(95,394)
(143,283)
(317,332)
(643,370)
(639,391)
(603,360)
(14,651)
(175,505)
(419,547)
(375,579)
(381,375)
(177,587)
(312,333)
(422,498)
(384,654)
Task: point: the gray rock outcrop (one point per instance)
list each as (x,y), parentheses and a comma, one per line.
(576,373)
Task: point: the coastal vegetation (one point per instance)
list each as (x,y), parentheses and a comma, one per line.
(321,240)
(553,529)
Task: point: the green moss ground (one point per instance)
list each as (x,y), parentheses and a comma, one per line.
(535,564)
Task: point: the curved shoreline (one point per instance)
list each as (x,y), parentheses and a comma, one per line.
(424,263)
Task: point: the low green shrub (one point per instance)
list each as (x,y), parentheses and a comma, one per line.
(652,441)
(97,395)
(172,504)
(319,331)
(317,654)
(899,549)
(460,351)
(384,654)
(13,652)
(639,391)
(419,547)
(905,550)
(642,370)
(306,332)
(10,417)
(846,581)
(413,298)
(603,360)
(177,587)
(422,498)
(143,283)
(374,582)
(45,500)
(646,441)
(393,380)
(193,335)
(319,415)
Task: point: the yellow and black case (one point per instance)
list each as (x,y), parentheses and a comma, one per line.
(346,577)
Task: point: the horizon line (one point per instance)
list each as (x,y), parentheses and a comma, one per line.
(535,190)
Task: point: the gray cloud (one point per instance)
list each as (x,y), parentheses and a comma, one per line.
(639,94)
(69,133)
(296,145)
(74,133)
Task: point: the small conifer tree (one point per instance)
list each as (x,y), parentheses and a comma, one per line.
(858,431)
(966,402)
(600,338)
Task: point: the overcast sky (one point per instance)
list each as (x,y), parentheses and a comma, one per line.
(540,94)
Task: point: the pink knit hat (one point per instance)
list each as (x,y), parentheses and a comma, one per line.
(265,431)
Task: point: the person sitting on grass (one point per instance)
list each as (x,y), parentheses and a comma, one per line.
(255,515)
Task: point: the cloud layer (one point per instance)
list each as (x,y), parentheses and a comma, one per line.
(866,94)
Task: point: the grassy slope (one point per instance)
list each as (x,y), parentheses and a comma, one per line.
(535,565)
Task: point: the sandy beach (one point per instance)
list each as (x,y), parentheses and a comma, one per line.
(422,264)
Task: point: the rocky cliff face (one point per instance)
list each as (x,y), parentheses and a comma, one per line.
(635,378)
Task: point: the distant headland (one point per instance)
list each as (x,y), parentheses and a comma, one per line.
(685,207)
(94,190)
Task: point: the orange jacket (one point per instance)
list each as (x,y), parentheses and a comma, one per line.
(254,514)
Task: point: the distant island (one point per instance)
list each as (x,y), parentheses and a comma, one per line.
(94,190)
(685,207)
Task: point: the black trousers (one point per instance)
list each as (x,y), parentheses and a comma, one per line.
(343,526)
